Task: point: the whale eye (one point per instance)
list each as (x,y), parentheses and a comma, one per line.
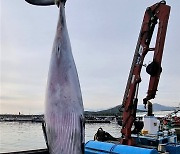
(58,52)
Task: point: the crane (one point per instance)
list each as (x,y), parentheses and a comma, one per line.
(156,15)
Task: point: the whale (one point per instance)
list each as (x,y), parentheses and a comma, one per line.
(64,111)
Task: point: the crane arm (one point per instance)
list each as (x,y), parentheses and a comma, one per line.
(156,14)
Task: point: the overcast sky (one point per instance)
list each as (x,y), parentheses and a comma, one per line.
(103,36)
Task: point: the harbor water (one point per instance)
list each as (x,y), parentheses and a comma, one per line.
(18,136)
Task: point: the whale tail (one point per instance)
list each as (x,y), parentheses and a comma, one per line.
(45,2)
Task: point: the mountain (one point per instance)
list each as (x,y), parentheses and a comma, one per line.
(115,110)
(108,112)
(141,107)
(158,107)
(111,111)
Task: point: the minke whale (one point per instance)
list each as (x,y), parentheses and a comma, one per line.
(64,112)
(64,106)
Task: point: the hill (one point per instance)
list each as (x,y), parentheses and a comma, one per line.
(158,107)
(108,112)
(115,110)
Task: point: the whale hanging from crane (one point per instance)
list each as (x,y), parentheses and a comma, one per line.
(64,112)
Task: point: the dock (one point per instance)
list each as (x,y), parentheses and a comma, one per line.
(40,118)
(97,121)
(21,118)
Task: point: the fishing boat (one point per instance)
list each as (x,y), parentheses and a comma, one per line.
(148,136)
(154,138)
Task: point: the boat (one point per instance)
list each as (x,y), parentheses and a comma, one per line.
(154,138)
(149,136)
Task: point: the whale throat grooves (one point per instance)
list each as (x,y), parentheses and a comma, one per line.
(64,111)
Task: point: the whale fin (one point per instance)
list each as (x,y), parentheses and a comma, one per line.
(45,2)
(41,2)
(82,125)
(45,134)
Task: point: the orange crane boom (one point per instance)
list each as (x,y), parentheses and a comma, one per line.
(158,14)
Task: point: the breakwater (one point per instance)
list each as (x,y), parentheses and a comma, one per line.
(40,118)
(21,117)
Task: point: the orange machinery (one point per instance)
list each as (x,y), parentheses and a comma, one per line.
(158,14)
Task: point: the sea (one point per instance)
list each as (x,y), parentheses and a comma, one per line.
(20,136)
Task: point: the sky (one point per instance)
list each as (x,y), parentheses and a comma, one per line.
(103,36)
